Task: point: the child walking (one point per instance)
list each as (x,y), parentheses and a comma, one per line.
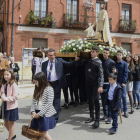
(42,106)
(114,100)
(10,89)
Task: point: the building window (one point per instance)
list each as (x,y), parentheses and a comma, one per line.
(98,6)
(72,9)
(126,13)
(127,46)
(37,42)
(40,8)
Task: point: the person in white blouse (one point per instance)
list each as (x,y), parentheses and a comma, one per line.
(39,61)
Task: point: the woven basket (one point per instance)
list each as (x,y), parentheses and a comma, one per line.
(30,132)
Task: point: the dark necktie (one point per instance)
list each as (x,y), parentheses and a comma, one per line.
(49,76)
(6,89)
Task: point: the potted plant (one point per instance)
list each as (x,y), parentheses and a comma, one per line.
(31,18)
(48,20)
(82,25)
(39,21)
(128,27)
(75,24)
(70,21)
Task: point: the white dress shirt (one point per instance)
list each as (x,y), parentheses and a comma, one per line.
(13,65)
(53,71)
(39,62)
(111,91)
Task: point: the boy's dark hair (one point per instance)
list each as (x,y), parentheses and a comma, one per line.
(51,50)
(107,49)
(120,51)
(96,48)
(112,75)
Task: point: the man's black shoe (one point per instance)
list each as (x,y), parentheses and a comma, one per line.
(81,103)
(71,103)
(63,105)
(66,106)
(89,120)
(96,124)
(75,105)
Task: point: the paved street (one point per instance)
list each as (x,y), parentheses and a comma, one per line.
(71,125)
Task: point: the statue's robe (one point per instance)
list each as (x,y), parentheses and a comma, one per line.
(103,25)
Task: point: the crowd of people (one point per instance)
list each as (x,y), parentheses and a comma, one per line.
(86,80)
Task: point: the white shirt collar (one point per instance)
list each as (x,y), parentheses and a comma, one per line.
(94,58)
(53,61)
(114,85)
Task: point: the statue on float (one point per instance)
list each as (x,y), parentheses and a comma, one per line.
(103,25)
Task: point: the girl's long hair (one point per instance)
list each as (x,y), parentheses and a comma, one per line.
(43,83)
(12,79)
(138,60)
(131,65)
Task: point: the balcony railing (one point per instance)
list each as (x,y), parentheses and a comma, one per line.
(127,26)
(77,21)
(37,21)
(80,21)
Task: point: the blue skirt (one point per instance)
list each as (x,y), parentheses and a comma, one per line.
(10,115)
(44,123)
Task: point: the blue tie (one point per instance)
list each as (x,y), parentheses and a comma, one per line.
(49,76)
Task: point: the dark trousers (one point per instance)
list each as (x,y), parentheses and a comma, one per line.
(81,86)
(65,91)
(69,85)
(114,114)
(33,72)
(57,95)
(104,96)
(93,97)
(75,87)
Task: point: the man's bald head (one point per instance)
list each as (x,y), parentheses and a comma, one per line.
(1,55)
(4,54)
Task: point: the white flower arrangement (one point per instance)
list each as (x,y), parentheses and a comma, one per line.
(76,45)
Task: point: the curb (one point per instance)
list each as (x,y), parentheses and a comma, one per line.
(24,97)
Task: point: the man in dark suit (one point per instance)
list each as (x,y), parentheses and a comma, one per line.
(15,68)
(53,68)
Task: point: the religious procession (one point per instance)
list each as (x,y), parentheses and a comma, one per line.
(84,89)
